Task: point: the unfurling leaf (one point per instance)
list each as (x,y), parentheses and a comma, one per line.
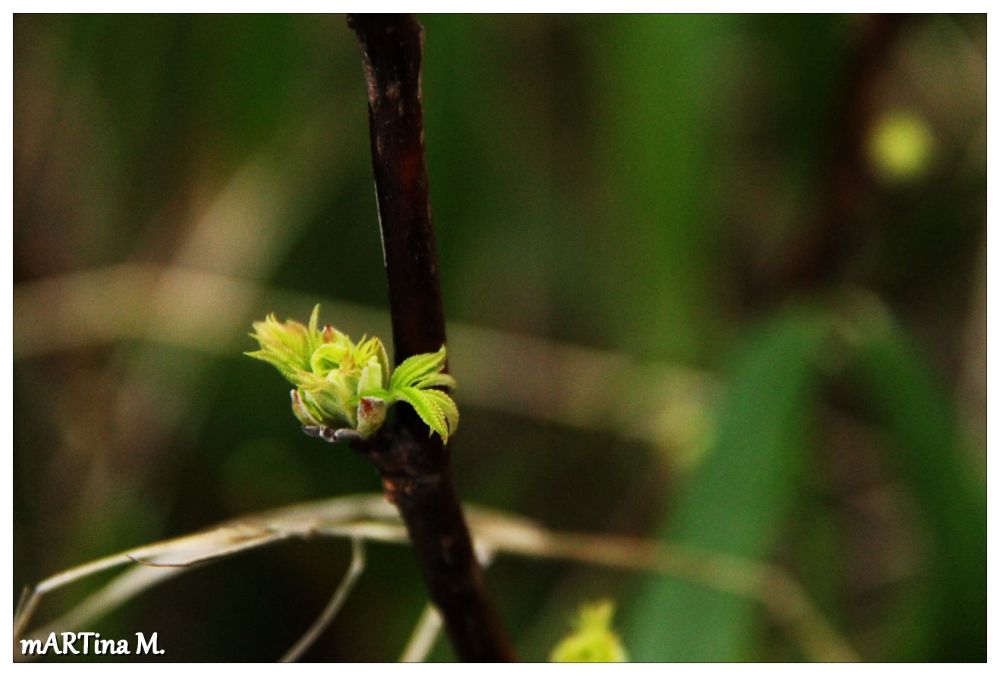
(448,408)
(416,367)
(428,405)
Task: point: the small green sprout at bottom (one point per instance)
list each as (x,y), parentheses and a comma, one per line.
(592,639)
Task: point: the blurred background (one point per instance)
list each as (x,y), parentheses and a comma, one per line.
(716,280)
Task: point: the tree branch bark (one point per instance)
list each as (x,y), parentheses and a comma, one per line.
(415,468)
(835,235)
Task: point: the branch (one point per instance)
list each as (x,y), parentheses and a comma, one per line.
(415,468)
(835,234)
(428,628)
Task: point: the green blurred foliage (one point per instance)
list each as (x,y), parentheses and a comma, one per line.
(740,497)
(629,183)
(949,491)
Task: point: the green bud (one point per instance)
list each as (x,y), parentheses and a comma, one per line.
(307,417)
(371,378)
(371,415)
(592,639)
(342,386)
(329,356)
(901,146)
(331,402)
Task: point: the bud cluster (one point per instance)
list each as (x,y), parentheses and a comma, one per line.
(343,386)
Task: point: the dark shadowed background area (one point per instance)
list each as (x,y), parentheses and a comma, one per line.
(717,280)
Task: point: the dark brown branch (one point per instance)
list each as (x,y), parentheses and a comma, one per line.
(835,234)
(415,468)
(820,252)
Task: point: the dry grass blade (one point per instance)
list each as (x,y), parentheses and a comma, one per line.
(118,591)
(428,628)
(511,372)
(424,635)
(368,517)
(335,604)
(159,562)
(163,560)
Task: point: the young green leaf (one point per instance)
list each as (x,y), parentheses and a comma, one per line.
(278,361)
(426,407)
(436,380)
(416,367)
(448,408)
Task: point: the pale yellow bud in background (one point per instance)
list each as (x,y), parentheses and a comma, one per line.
(900,146)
